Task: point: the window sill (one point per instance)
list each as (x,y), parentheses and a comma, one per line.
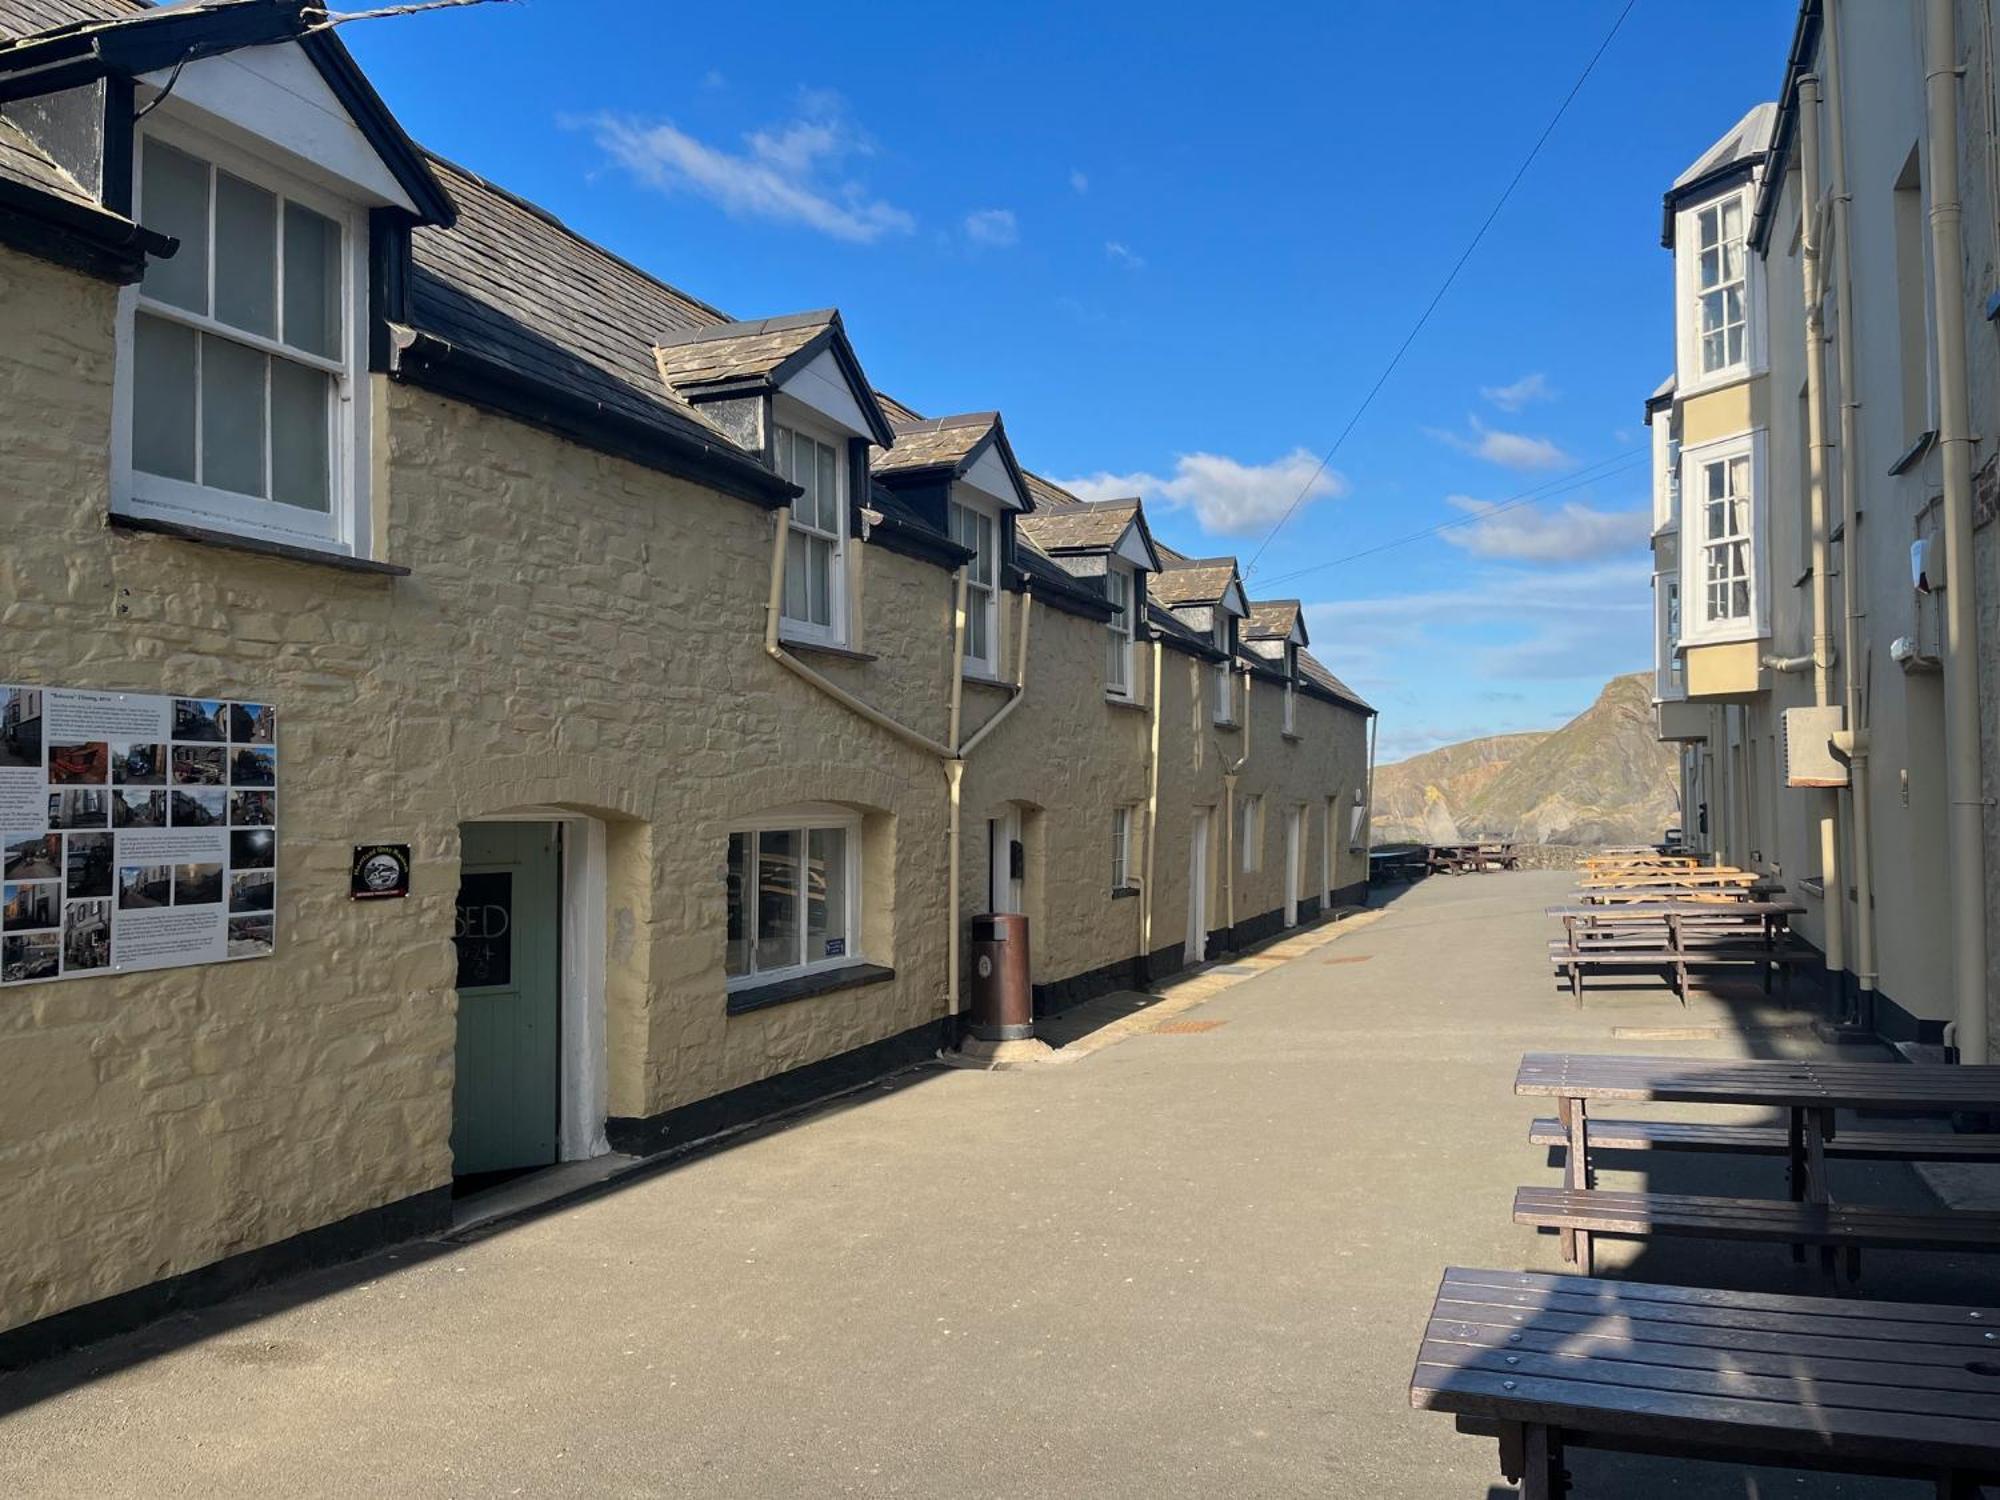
(805,986)
(1130,705)
(986,679)
(1291,734)
(231,542)
(1229,724)
(1121,892)
(824,648)
(1915,454)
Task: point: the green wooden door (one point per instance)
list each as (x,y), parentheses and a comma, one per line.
(509,998)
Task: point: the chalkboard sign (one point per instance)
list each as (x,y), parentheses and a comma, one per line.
(484,930)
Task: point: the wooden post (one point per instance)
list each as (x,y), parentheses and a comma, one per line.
(1579,1173)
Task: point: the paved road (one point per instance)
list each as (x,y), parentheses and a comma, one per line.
(1191,1264)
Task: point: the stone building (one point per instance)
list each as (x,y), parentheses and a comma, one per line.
(685,664)
(1823,483)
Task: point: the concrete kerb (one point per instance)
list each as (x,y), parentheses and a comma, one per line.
(1181,993)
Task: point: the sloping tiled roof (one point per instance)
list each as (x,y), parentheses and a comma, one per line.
(1048,579)
(1748,137)
(1049,495)
(1080,528)
(737,351)
(933,443)
(1271,619)
(1192,580)
(22,161)
(516,285)
(1315,671)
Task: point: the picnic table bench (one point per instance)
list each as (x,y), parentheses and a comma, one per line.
(1810,1091)
(1546,1363)
(1409,863)
(1672,936)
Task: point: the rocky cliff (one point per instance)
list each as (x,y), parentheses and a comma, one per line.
(1602,778)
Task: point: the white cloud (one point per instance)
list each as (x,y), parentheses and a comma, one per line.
(789,174)
(1121,255)
(1228,498)
(1528,533)
(1529,388)
(1078,182)
(992,226)
(1510,450)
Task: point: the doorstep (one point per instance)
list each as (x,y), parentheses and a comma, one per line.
(538,1190)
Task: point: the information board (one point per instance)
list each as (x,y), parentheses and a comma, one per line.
(138,832)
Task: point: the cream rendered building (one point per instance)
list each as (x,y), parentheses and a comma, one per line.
(1818,452)
(687,666)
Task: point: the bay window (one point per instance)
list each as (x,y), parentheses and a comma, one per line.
(1119,588)
(815,593)
(1721,286)
(978,533)
(240,353)
(793,897)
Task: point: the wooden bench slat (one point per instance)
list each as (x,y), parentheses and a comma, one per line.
(1625,1293)
(1695,1342)
(1643,1214)
(1767,1140)
(1810,1383)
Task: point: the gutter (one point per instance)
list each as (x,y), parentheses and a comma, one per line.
(436,364)
(82,235)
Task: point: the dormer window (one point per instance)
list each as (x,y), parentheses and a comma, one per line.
(815,578)
(1225,681)
(978,532)
(1291,691)
(241,353)
(1720,283)
(1119,589)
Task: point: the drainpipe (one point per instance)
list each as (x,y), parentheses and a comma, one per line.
(1833,901)
(1230,772)
(1961,666)
(1853,740)
(1152,824)
(1016,688)
(954,780)
(954,768)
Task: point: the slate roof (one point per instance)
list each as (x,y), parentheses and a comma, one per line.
(730,352)
(1079,528)
(1191,580)
(933,443)
(22,161)
(1047,578)
(513,283)
(1315,671)
(1271,619)
(1748,137)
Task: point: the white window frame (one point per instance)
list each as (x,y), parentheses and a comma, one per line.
(801,820)
(1696,628)
(1250,832)
(1667,684)
(1690,376)
(1224,706)
(1121,848)
(1291,720)
(345,528)
(1121,587)
(981,597)
(834,633)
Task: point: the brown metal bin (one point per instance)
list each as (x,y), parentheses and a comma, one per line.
(1003,1000)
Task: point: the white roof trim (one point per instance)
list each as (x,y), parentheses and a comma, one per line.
(822,387)
(1233,602)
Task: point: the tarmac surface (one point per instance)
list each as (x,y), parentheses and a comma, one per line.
(1193,1262)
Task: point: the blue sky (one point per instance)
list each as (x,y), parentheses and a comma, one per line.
(1175,252)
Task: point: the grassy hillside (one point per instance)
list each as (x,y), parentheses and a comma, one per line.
(1601,778)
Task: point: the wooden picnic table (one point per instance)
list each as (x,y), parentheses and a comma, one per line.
(1808,1090)
(1625,895)
(1672,935)
(1547,1362)
(1697,878)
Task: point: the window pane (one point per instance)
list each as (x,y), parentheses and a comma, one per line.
(982,567)
(796,564)
(804,474)
(819,580)
(736,950)
(232,416)
(976,601)
(173,199)
(777,899)
(163,385)
(301,400)
(829,507)
(246,256)
(1711,267)
(826,894)
(312,281)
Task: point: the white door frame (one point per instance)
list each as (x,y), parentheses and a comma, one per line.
(1197,935)
(1295,829)
(585,1084)
(1005,893)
